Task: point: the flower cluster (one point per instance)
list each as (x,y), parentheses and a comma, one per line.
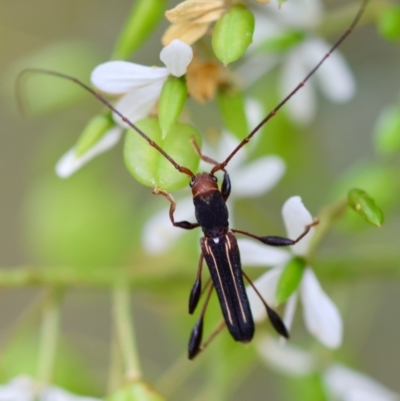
(138,88)
(321,316)
(293,26)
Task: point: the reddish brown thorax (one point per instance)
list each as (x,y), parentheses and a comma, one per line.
(203,183)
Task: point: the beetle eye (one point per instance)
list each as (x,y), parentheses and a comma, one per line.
(214,178)
(191,182)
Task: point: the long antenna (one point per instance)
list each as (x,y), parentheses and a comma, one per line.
(180,168)
(221,166)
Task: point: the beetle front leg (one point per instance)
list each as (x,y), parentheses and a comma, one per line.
(181,224)
(279,241)
(226,187)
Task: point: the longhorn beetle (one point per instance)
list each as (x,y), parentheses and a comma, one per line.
(219,247)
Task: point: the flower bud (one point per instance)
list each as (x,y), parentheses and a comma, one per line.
(136,391)
(142,21)
(389,23)
(365,206)
(290,279)
(93,131)
(172,100)
(233,34)
(149,166)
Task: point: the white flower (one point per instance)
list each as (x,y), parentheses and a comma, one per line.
(321,316)
(23,388)
(340,382)
(345,384)
(334,78)
(248,180)
(140,87)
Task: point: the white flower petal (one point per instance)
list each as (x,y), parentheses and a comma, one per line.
(24,388)
(296,217)
(177,56)
(259,176)
(69,163)
(159,234)
(226,145)
(58,394)
(21,388)
(254,253)
(334,77)
(302,106)
(266,285)
(266,27)
(254,113)
(301,13)
(253,68)
(321,315)
(118,77)
(138,103)
(350,385)
(288,359)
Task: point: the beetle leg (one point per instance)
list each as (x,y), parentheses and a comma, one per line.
(279,241)
(181,224)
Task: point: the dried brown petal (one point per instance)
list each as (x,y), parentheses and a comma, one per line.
(188,32)
(192,9)
(213,15)
(202,80)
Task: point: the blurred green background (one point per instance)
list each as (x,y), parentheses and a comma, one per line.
(95,217)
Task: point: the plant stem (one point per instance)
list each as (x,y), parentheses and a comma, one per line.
(125,331)
(48,337)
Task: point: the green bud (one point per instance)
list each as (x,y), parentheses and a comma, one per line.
(233,34)
(149,166)
(387,131)
(231,107)
(290,279)
(389,23)
(365,206)
(94,130)
(137,391)
(142,21)
(281,43)
(172,100)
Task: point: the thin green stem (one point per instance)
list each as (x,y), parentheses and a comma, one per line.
(48,337)
(25,276)
(115,371)
(327,217)
(125,331)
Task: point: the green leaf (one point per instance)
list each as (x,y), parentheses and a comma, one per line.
(94,130)
(172,100)
(232,109)
(149,166)
(137,391)
(389,23)
(142,21)
(365,206)
(233,33)
(290,279)
(387,131)
(281,43)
